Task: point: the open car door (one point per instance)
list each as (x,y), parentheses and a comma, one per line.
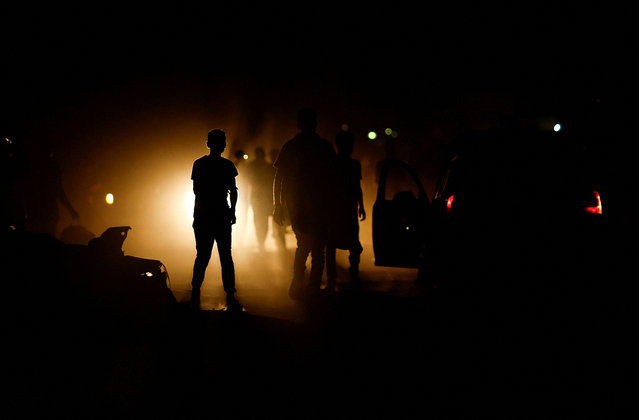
(399,224)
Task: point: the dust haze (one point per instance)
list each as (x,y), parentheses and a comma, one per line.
(139,142)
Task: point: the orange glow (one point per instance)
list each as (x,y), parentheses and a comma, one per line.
(597,209)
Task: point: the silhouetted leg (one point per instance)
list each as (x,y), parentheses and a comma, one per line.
(223,236)
(331,268)
(318,255)
(203,245)
(299,265)
(354,256)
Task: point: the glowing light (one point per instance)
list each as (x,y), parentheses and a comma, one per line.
(596,209)
(109,198)
(388,131)
(148,274)
(372,135)
(245,156)
(449,203)
(189,202)
(557,128)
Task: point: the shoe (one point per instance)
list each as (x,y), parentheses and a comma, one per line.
(195,299)
(232,304)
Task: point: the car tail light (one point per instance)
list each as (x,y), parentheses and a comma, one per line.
(595,209)
(449,203)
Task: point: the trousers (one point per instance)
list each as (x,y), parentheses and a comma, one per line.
(206,234)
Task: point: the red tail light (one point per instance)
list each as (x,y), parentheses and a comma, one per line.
(449,203)
(595,209)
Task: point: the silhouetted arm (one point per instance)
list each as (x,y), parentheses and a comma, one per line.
(360,195)
(360,202)
(233,194)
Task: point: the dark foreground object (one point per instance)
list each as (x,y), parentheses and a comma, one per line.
(357,354)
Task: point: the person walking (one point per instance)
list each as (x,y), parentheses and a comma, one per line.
(347,211)
(260,175)
(302,190)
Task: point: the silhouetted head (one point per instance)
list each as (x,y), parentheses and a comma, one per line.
(260,154)
(216,141)
(307,119)
(345,141)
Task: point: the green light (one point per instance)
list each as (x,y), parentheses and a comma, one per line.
(388,131)
(372,135)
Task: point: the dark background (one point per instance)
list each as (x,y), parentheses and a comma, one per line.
(117,80)
(408,60)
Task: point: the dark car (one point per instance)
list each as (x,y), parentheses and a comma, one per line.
(399,223)
(507,202)
(93,285)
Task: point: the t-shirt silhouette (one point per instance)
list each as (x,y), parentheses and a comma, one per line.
(305,163)
(213,178)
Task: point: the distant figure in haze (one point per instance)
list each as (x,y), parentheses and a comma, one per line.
(279,230)
(243,200)
(213,184)
(302,188)
(347,210)
(43,190)
(260,176)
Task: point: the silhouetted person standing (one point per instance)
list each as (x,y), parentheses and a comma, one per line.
(260,175)
(347,210)
(302,187)
(43,191)
(214,184)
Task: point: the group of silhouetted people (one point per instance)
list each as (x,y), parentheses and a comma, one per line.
(309,186)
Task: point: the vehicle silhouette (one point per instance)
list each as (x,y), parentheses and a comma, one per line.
(508,201)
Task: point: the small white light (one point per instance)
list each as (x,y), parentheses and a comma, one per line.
(372,135)
(557,127)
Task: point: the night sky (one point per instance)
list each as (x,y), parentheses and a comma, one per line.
(401,60)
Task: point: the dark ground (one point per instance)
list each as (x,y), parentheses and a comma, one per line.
(357,353)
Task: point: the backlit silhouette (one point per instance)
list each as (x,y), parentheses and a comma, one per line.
(302,187)
(213,184)
(260,175)
(348,207)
